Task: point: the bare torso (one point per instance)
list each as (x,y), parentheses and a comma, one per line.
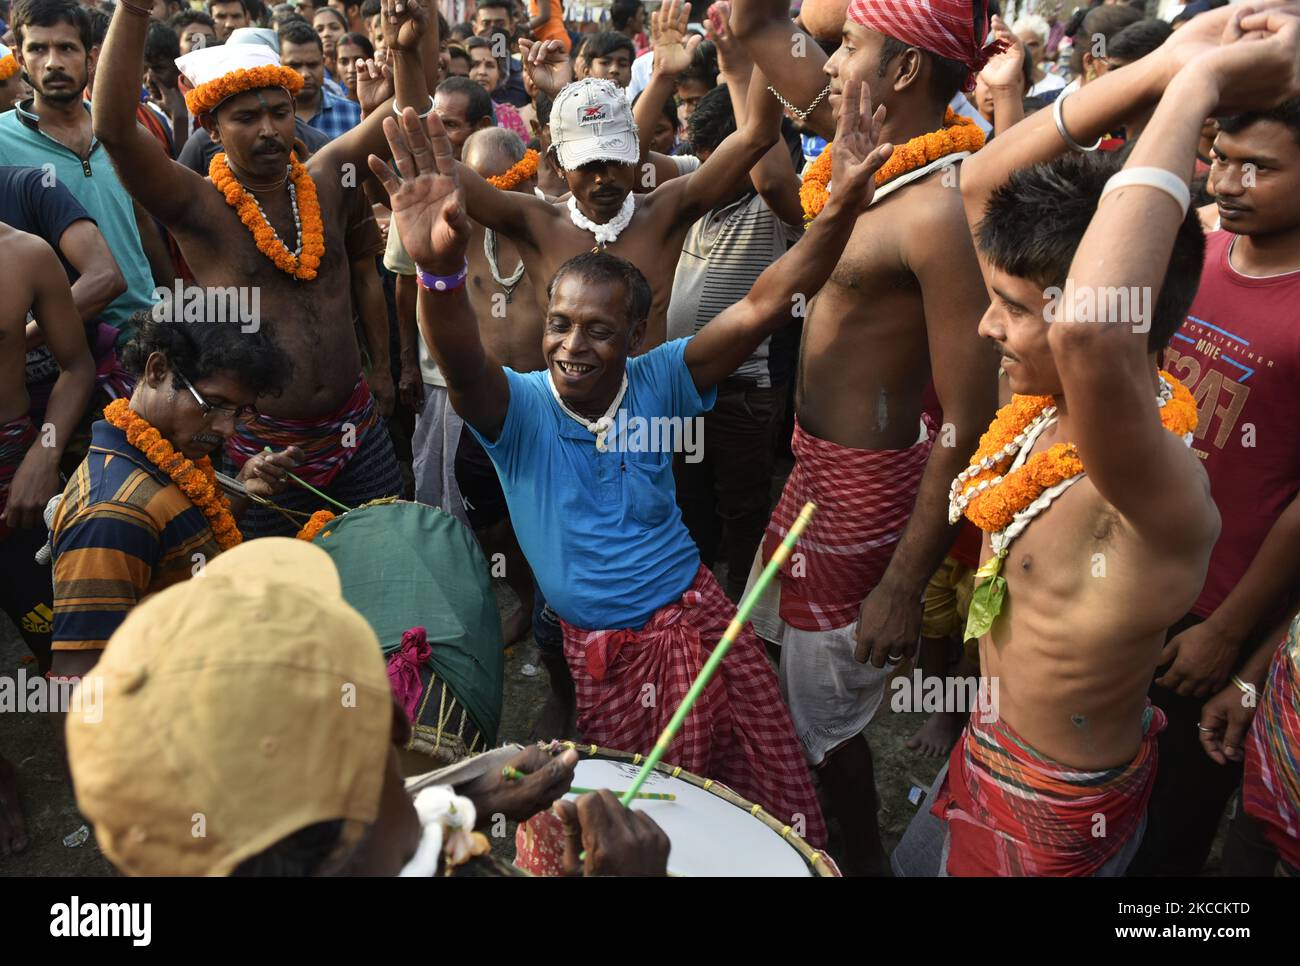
(1087,605)
(652,242)
(865,358)
(311,321)
(509,322)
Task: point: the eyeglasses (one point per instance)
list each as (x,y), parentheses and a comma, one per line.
(238,413)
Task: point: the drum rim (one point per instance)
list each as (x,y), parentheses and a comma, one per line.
(817,860)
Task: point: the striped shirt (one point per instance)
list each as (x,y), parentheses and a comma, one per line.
(722,257)
(123,531)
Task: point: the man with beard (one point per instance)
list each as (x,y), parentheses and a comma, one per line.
(244,99)
(900,310)
(54,128)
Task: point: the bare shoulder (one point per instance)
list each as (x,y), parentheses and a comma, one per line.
(32,251)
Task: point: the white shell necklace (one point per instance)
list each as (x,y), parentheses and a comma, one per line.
(607,233)
(293,203)
(599,428)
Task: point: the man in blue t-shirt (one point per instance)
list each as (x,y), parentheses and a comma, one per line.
(584,450)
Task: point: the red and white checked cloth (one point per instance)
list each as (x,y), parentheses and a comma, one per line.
(739,732)
(864,498)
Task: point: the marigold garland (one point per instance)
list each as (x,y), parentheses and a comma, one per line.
(195,478)
(206,97)
(995,508)
(312,227)
(8,67)
(318,522)
(959,133)
(517,174)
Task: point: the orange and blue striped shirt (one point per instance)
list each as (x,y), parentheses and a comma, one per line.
(123,531)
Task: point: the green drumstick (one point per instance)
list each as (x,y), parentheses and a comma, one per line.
(719,652)
(514,774)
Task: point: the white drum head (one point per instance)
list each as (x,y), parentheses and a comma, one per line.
(710,836)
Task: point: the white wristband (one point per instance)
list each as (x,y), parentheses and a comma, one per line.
(1157,178)
(398,111)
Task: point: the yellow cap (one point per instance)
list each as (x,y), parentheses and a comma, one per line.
(238,707)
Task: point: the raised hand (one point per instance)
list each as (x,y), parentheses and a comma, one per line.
(428,206)
(673,44)
(374,82)
(732,56)
(403,23)
(1006,68)
(1257,64)
(855,154)
(546,64)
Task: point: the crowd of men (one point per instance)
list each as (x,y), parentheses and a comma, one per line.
(995,297)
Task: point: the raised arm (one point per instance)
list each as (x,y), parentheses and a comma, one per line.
(1093,110)
(727,341)
(429,214)
(715,180)
(411,37)
(1136,465)
(788,56)
(166,189)
(1005,75)
(774,176)
(674,48)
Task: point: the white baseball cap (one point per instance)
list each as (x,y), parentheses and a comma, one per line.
(591,120)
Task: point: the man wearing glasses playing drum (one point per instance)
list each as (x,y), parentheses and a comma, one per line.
(143,510)
(595,514)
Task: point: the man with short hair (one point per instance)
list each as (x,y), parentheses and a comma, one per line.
(562,457)
(607,55)
(1243,367)
(195,29)
(301,50)
(54,128)
(627,17)
(899,313)
(352,10)
(229,15)
(1072,619)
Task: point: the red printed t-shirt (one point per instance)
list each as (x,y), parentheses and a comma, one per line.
(1239,353)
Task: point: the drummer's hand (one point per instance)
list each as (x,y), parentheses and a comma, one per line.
(617,840)
(547,778)
(266,474)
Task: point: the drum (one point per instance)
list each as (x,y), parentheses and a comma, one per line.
(713,831)
(407,565)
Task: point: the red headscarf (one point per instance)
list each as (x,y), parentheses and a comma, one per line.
(943,27)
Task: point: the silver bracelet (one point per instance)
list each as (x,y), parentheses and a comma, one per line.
(398,111)
(1065,135)
(801,115)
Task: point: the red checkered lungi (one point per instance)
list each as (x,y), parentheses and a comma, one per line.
(629,683)
(864,498)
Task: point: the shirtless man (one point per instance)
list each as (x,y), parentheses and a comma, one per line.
(900,309)
(598,146)
(1075,595)
(328,410)
(29,457)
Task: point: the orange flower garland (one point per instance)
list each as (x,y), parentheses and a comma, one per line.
(958,134)
(318,522)
(196,479)
(313,228)
(206,97)
(518,173)
(8,67)
(993,509)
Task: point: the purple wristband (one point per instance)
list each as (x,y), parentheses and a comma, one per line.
(442,283)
